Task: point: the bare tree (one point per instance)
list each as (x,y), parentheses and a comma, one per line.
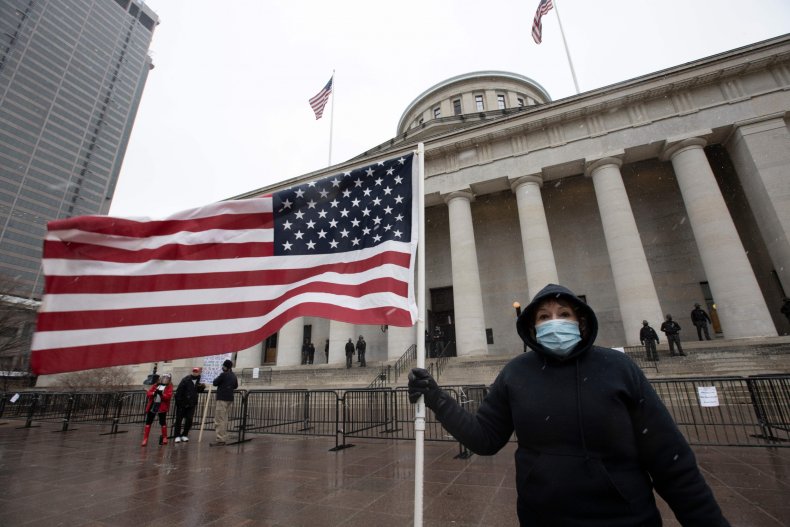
(101,379)
(17,323)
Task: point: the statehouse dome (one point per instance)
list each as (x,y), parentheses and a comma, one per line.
(450,103)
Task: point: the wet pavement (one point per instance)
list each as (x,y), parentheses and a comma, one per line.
(80,477)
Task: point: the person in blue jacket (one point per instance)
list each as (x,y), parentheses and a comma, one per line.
(594,439)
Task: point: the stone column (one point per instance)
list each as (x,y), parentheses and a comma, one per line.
(339,333)
(467,294)
(399,340)
(636,293)
(289,343)
(739,301)
(535,239)
(250,357)
(760,153)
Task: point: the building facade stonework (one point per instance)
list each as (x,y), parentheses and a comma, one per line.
(645,197)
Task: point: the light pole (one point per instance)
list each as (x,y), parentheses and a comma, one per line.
(517,307)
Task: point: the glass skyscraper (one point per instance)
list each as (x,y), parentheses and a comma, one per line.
(72,74)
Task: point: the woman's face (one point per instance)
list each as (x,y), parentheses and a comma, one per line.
(554,309)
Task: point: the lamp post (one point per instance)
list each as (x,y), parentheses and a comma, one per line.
(517,307)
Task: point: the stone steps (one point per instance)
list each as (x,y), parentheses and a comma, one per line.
(716,358)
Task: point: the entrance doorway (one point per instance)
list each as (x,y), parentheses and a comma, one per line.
(441,316)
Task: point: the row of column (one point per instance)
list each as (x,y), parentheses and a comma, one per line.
(741,306)
(740,303)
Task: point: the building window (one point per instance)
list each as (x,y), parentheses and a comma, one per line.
(437,112)
(479,103)
(457,107)
(520,102)
(500,102)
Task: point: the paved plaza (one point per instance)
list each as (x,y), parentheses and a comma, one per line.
(80,477)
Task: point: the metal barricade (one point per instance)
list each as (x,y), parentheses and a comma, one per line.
(712,411)
(771,399)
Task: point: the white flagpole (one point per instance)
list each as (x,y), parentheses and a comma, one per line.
(419,417)
(565,43)
(332,118)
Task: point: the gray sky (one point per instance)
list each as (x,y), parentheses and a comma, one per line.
(225,109)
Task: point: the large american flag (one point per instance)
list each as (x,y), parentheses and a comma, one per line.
(537,26)
(318,101)
(224,277)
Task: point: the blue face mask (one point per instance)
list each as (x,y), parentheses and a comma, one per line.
(558,337)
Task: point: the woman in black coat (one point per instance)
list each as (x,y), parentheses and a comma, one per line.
(594,439)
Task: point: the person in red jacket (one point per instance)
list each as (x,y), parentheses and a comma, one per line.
(159,396)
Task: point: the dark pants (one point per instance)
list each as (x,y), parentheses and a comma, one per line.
(362,362)
(674,340)
(650,347)
(349,360)
(184,413)
(702,328)
(310,356)
(150,416)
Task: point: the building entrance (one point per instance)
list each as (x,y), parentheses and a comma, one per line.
(441,325)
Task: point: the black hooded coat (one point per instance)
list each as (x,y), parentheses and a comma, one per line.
(594,439)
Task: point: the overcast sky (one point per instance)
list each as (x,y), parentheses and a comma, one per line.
(225,109)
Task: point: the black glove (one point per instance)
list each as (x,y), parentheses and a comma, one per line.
(421,383)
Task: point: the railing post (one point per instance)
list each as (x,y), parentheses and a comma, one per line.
(31,411)
(69,410)
(243,425)
(340,402)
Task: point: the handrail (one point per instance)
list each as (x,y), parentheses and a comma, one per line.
(441,361)
(390,374)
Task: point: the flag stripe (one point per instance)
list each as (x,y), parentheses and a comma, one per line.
(95,319)
(205,251)
(250,216)
(166,282)
(56,360)
(188,297)
(178,330)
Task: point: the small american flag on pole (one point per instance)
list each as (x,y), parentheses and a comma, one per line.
(537,26)
(223,277)
(318,101)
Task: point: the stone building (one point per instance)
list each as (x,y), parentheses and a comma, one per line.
(645,197)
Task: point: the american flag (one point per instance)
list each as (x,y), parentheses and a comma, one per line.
(318,101)
(224,277)
(537,26)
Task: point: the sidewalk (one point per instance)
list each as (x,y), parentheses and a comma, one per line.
(79,477)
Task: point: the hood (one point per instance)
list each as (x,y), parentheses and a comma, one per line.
(525,325)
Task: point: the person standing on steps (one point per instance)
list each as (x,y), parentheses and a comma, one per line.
(349,353)
(326,350)
(672,330)
(158,396)
(649,339)
(700,319)
(361,347)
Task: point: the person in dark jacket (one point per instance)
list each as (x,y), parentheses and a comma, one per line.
(700,319)
(305,351)
(326,350)
(672,330)
(785,309)
(186,402)
(349,353)
(361,347)
(310,352)
(594,439)
(649,339)
(226,384)
(158,404)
